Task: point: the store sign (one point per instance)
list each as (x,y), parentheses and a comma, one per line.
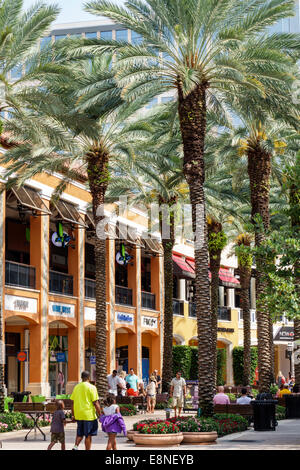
(149,322)
(226,330)
(92,359)
(61,310)
(22,356)
(89,313)
(285,333)
(61,357)
(125,318)
(20,304)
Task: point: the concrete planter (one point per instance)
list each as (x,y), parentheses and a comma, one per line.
(158,440)
(199,437)
(130,434)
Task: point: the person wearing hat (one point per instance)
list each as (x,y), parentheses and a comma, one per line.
(151,394)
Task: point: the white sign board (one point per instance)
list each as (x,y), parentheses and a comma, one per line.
(20,304)
(61,310)
(149,322)
(90,313)
(124,318)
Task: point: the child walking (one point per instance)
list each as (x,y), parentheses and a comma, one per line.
(112,422)
(151,394)
(58,426)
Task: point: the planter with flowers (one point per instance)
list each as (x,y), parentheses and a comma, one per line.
(133,431)
(198,430)
(158,434)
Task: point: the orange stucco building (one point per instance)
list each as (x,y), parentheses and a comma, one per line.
(48,291)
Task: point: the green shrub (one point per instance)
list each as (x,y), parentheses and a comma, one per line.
(230,423)
(238,364)
(231,396)
(182,360)
(194,363)
(15,421)
(193,424)
(280,412)
(221,366)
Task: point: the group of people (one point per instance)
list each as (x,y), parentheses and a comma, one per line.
(130,385)
(286,386)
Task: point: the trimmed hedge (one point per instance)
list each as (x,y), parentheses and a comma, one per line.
(185,359)
(238,361)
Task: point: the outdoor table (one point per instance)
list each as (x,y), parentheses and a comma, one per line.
(35,415)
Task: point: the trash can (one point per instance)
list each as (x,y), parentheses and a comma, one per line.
(292,405)
(264,413)
(18,396)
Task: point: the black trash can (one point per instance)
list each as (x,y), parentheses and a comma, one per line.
(292,405)
(18,396)
(264,413)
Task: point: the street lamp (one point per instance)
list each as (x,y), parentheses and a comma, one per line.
(289,352)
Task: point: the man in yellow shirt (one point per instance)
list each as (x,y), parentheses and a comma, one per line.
(284,391)
(85,408)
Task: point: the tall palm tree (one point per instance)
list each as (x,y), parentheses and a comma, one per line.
(55,135)
(20,34)
(242,250)
(199,48)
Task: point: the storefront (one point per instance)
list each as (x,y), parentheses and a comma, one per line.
(283,347)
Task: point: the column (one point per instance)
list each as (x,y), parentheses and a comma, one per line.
(38,334)
(229,368)
(76,335)
(110,287)
(135,340)
(26,364)
(2,291)
(221,296)
(161,311)
(252,293)
(181,290)
(230,298)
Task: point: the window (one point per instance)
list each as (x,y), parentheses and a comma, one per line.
(45,41)
(122,35)
(166,99)
(106,35)
(60,36)
(91,35)
(16,72)
(136,38)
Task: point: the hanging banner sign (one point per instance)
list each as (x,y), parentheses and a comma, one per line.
(286,333)
(92,359)
(89,313)
(61,357)
(61,310)
(20,304)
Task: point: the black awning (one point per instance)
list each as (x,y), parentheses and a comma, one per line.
(68,213)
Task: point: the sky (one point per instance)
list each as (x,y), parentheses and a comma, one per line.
(71,10)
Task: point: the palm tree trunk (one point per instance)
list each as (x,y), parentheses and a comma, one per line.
(295,220)
(259,170)
(167,368)
(192,115)
(245,278)
(98,181)
(215,262)
(297,337)
(2,361)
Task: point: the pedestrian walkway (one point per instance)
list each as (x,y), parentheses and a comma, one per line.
(286,437)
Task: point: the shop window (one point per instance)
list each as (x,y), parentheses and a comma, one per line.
(122,35)
(107,35)
(17,242)
(146,274)
(89,261)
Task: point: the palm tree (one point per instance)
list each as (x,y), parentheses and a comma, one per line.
(217,241)
(199,49)
(20,34)
(242,250)
(55,135)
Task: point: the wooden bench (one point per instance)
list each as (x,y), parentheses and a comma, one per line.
(28,407)
(162,398)
(246,411)
(136,401)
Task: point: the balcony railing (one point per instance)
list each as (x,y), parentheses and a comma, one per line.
(192,309)
(90,288)
(178,307)
(20,275)
(60,283)
(123,295)
(148,300)
(224,313)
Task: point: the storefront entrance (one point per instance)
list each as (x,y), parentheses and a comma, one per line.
(12,368)
(58,364)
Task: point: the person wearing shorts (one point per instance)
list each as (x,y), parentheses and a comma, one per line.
(58,426)
(112,422)
(177,393)
(151,394)
(85,409)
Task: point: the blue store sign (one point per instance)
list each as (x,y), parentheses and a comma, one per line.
(123,317)
(61,357)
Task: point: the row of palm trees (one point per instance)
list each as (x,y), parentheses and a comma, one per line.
(219,143)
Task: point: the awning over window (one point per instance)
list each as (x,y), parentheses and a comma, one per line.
(119,232)
(153,245)
(68,213)
(182,268)
(227,279)
(29,197)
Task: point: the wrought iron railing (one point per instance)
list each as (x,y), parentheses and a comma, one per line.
(20,275)
(148,300)
(123,295)
(60,283)
(178,308)
(90,288)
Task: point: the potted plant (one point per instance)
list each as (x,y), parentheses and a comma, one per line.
(158,434)
(133,431)
(198,430)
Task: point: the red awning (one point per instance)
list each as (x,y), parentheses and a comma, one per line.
(182,268)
